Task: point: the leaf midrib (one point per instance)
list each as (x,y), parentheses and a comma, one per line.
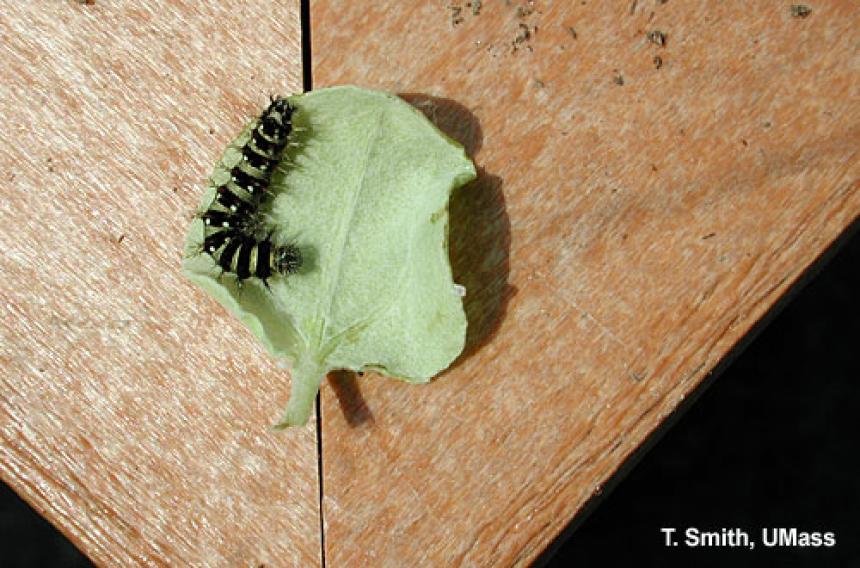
(343,232)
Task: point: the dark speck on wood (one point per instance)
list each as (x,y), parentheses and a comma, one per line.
(800,11)
(657,37)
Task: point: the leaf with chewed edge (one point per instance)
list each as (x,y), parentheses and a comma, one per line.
(364,194)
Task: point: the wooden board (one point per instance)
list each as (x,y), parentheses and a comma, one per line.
(134,412)
(633,219)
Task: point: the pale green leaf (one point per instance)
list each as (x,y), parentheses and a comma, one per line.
(365,196)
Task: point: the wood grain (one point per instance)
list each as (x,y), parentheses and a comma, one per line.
(134,412)
(633,219)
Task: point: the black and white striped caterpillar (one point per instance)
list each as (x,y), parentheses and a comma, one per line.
(245,256)
(234,225)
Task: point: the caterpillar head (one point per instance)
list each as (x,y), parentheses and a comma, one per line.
(287,259)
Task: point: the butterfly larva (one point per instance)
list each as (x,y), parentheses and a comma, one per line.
(245,256)
(233,221)
(249,180)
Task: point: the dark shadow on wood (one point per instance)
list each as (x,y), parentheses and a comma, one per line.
(479,244)
(452,118)
(479,237)
(352,403)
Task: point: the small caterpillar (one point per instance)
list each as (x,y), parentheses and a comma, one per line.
(245,256)
(249,180)
(233,221)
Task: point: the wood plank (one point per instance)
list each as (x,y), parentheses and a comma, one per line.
(634,218)
(135,412)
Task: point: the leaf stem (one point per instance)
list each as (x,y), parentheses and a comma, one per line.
(307,374)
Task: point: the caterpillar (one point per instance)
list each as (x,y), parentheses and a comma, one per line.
(246,256)
(249,180)
(233,222)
